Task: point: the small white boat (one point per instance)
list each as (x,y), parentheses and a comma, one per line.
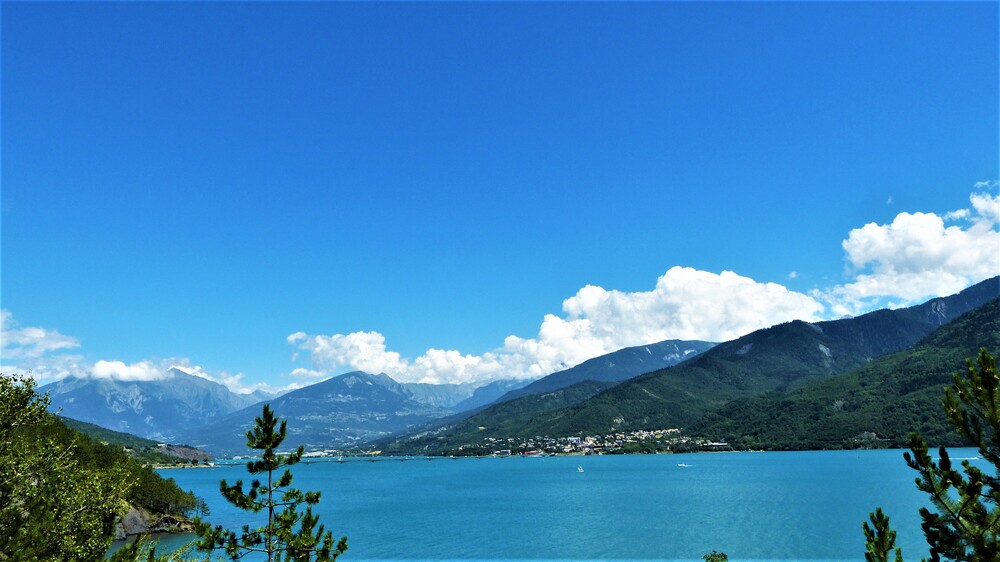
(579,468)
(682,465)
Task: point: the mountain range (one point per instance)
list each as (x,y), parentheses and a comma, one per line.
(156,409)
(778,359)
(358,408)
(344,411)
(667,384)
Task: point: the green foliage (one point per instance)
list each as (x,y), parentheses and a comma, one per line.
(143,549)
(279,537)
(716,557)
(966,523)
(60,492)
(880,539)
(890,397)
(53,505)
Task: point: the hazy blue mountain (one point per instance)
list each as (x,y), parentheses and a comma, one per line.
(489,393)
(441,395)
(343,411)
(464,396)
(616,366)
(262,396)
(159,409)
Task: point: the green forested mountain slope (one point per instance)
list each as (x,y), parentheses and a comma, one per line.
(889,397)
(148,489)
(777,359)
(145,450)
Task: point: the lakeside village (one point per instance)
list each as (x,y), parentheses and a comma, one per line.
(642,441)
(634,442)
(656,441)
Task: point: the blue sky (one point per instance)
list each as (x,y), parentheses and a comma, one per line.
(273,193)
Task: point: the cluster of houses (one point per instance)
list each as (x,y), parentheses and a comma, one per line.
(658,440)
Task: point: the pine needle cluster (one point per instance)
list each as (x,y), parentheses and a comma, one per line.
(965,522)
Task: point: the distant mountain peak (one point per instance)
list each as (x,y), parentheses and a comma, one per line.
(156,409)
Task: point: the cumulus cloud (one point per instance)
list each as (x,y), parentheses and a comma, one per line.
(41,352)
(684,304)
(919,256)
(17,342)
(159,370)
(118,370)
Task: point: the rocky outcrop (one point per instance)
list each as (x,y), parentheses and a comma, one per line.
(139,521)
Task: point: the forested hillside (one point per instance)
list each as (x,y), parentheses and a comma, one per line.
(142,449)
(777,359)
(878,404)
(61,491)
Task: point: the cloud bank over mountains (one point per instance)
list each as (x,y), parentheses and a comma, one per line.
(915,257)
(685,304)
(41,352)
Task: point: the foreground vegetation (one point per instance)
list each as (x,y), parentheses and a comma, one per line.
(965,524)
(279,539)
(60,491)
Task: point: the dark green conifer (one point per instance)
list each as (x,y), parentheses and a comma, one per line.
(279,539)
(966,523)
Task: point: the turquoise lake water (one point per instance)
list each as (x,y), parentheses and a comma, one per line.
(752,506)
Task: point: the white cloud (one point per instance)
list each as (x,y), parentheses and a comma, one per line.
(918,256)
(989,184)
(17,342)
(235,382)
(684,304)
(364,351)
(988,207)
(40,352)
(118,370)
(915,257)
(307,373)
